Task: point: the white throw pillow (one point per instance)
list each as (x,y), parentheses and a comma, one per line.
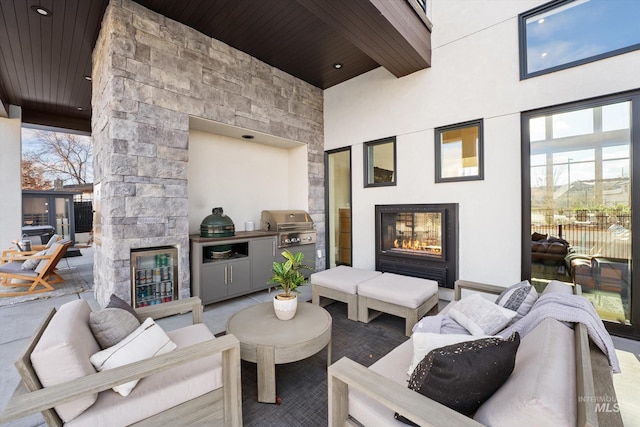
(424,342)
(146,341)
(479,316)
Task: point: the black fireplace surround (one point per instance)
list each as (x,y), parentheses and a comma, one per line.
(419,240)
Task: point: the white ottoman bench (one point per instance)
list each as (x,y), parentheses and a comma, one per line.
(403,296)
(340,284)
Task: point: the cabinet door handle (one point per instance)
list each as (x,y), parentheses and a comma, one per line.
(273,248)
(225,274)
(231,268)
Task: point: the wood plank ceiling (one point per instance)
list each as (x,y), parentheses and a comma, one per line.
(44,59)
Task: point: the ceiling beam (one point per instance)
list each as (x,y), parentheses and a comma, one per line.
(389,31)
(58,121)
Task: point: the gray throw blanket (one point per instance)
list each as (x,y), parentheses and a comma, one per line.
(439,324)
(567,308)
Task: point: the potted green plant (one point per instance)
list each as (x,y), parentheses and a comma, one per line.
(287,275)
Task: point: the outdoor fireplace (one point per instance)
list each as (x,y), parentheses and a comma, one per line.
(419,240)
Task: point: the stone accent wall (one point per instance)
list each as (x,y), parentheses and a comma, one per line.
(149,75)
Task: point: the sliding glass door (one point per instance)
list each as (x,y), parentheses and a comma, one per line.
(580,210)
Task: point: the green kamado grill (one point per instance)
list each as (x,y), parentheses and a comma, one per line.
(217,225)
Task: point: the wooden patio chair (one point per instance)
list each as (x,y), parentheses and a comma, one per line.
(38,280)
(9,254)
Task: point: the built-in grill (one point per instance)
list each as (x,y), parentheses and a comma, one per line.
(294,227)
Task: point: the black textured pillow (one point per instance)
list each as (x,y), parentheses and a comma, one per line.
(463,376)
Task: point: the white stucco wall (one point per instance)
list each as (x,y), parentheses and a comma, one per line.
(243,178)
(11,177)
(474,74)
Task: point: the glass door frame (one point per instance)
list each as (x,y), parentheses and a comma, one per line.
(52,214)
(628,331)
(328,237)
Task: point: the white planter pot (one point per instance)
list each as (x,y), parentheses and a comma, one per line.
(285,309)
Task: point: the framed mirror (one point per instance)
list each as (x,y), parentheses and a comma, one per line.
(380,162)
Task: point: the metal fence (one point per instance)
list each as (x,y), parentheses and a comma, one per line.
(591,234)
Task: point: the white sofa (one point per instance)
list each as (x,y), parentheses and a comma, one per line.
(558,379)
(198,383)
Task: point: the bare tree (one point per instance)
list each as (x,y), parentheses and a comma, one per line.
(33,176)
(62,155)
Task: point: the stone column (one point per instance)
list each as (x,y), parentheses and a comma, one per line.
(149,75)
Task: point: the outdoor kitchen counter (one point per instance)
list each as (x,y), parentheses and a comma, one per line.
(239,235)
(227,267)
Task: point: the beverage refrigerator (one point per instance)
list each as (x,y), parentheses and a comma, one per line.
(154,276)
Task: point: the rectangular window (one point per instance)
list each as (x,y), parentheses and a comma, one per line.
(566,33)
(578,218)
(380,163)
(458,152)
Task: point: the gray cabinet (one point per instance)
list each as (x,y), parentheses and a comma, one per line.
(221,280)
(223,268)
(238,277)
(263,253)
(309,252)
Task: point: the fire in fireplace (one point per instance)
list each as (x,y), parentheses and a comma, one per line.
(414,233)
(419,240)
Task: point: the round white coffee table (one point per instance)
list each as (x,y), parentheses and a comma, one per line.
(267,341)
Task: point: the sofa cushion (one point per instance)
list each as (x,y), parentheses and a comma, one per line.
(54,247)
(519,298)
(32,263)
(537,236)
(342,278)
(480,316)
(462,376)
(542,388)
(62,353)
(424,342)
(160,391)
(405,291)
(556,286)
(393,365)
(146,341)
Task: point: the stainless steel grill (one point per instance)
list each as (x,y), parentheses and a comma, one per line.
(294,227)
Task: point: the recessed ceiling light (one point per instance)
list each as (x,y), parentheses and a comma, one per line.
(80,108)
(247,136)
(42,11)
(337,65)
(87,78)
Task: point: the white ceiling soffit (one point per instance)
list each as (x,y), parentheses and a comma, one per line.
(210,126)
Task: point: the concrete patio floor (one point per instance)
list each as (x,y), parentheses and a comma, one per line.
(20,316)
